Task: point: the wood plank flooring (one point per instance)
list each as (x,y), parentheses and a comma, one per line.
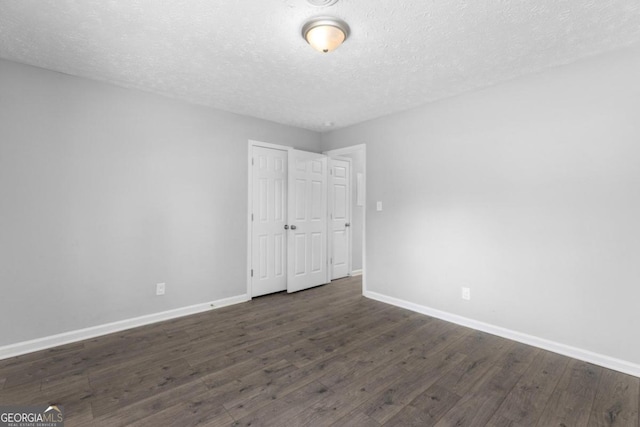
(322,357)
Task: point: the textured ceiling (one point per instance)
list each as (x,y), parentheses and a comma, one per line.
(247,56)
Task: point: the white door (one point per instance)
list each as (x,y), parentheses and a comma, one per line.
(307,249)
(339,217)
(269,213)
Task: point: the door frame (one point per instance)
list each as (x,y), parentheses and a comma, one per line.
(251,144)
(342,152)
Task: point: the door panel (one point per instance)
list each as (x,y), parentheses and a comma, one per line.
(316,252)
(307,257)
(339,217)
(268,240)
(300,200)
(300,253)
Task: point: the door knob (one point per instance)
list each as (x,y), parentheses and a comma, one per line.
(286,227)
(293,227)
(348,224)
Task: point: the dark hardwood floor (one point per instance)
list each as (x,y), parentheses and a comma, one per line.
(325,356)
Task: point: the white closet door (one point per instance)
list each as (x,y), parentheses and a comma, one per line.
(339,217)
(269,210)
(307,249)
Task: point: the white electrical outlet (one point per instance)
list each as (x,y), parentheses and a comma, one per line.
(466,293)
(379,206)
(160,289)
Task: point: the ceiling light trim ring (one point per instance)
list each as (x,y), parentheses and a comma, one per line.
(326,20)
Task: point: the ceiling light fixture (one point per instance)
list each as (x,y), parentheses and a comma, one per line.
(324,33)
(322,3)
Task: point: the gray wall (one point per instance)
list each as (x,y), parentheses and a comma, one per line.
(105,192)
(527,192)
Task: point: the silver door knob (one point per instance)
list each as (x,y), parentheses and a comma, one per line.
(348,224)
(293,227)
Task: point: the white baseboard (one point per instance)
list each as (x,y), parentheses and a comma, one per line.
(356,273)
(566,350)
(38,344)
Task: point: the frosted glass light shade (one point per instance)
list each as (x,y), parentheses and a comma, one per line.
(325,34)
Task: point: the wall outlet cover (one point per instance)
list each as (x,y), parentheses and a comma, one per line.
(160,289)
(466,294)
